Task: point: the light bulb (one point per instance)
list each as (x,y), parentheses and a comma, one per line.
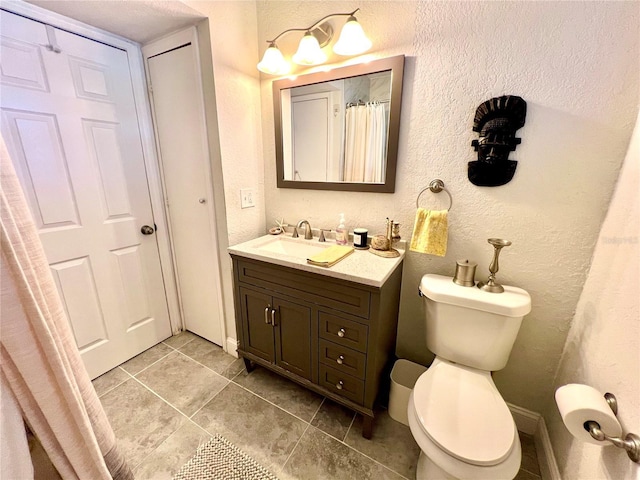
(273,62)
(309,51)
(353,40)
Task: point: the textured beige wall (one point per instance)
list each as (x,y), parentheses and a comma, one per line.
(603,345)
(576,65)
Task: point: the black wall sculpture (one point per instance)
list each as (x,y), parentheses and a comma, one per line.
(496,122)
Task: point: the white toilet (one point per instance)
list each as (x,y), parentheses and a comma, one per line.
(456,414)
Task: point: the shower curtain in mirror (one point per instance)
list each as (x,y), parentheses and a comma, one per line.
(365,143)
(42,373)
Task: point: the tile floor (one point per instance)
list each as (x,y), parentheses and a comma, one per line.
(171,398)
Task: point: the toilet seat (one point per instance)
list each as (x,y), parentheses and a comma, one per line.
(461,411)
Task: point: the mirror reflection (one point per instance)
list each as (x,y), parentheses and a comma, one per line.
(339,129)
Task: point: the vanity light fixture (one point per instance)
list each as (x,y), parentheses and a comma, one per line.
(352,41)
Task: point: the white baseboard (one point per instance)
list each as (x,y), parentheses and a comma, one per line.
(546,458)
(232,346)
(532,423)
(526,420)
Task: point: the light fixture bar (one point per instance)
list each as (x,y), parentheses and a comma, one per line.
(314,25)
(352,41)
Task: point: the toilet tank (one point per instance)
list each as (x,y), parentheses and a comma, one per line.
(469,326)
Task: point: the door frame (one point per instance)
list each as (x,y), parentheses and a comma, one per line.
(155,47)
(142,104)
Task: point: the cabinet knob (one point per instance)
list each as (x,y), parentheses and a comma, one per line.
(340,360)
(341,332)
(340,385)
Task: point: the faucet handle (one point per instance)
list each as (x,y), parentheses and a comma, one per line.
(321,237)
(295,232)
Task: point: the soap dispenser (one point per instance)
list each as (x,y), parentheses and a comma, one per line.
(341,232)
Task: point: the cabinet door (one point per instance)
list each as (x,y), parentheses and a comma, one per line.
(257,333)
(294,336)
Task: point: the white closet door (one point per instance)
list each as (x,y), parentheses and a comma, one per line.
(69,119)
(177,105)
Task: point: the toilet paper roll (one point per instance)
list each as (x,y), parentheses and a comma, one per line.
(579,404)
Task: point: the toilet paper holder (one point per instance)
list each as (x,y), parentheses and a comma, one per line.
(631,442)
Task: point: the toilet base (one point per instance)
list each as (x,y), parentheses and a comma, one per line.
(427,470)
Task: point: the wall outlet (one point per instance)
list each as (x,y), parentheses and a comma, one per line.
(246,198)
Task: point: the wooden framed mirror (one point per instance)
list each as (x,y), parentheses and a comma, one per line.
(338,130)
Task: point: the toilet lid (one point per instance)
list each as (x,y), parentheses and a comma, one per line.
(461,411)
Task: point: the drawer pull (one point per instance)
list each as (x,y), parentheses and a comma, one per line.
(341,332)
(340,359)
(273,317)
(340,385)
(266,315)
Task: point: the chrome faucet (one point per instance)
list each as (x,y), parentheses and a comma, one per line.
(307,229)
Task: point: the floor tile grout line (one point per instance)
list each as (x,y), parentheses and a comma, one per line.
(309,424)
(171,435)
(100,395)
(176,408)
(161,398)
(294,448)
(176,348)
(350,425)
(529,471)
(202,364)
(206,403)
(317,410)
(269,401)
(362,453)
(190,418)
(151,364)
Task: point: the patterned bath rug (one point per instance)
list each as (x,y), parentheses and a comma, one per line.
(219,459)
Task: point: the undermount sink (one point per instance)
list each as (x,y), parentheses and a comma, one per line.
(293,247)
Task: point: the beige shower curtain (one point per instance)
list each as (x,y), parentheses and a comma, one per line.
(40,363)
(365,143)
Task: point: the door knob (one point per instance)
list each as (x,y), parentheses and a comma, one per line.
(147,230)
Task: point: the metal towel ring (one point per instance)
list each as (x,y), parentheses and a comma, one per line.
(436,186)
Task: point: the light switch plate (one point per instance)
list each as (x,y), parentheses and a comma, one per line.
(246,198)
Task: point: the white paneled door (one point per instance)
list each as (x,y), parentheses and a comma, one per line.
(70,123)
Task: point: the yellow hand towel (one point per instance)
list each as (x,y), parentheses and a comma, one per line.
(330,256)
(430,232)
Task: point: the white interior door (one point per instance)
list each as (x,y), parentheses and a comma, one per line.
(70,123)
(311,115)
(181,134)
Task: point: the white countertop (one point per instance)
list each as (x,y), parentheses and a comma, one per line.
(361,266)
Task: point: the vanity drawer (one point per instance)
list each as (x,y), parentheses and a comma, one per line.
(342,384)
(343,332)
(342,359)
(306,286)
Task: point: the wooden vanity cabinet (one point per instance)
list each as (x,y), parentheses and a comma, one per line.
(278,331)
(332,336)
